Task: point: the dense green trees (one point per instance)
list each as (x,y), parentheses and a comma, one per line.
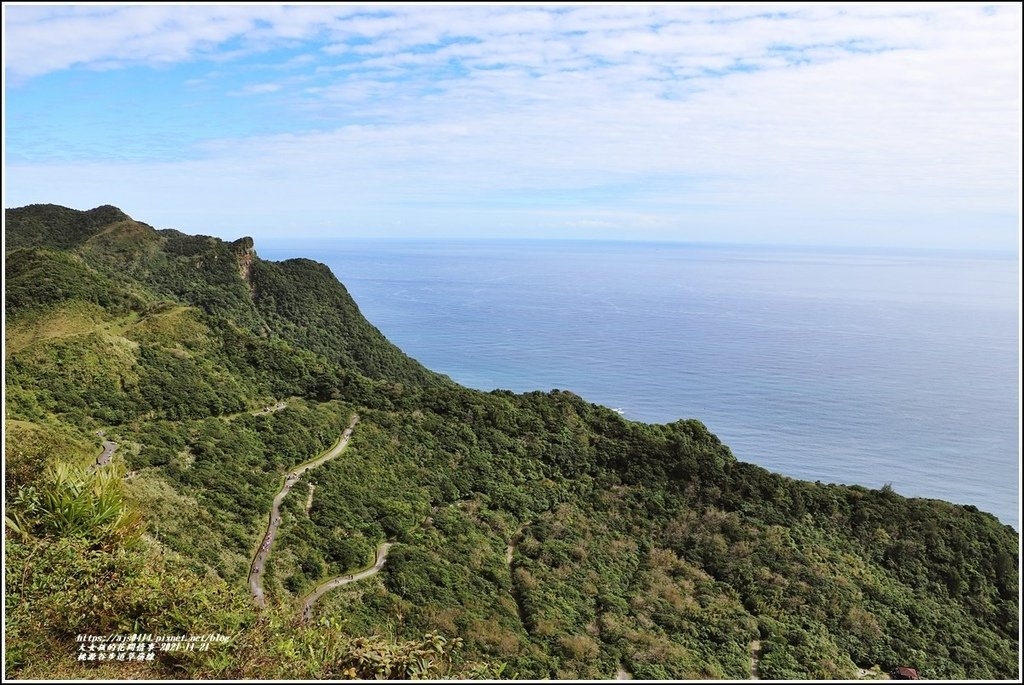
(552,536)
(304,303)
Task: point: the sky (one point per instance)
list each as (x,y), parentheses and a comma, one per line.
(847,124)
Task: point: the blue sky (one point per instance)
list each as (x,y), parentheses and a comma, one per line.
(858,125)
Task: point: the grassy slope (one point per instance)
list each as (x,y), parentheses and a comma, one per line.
(643,545)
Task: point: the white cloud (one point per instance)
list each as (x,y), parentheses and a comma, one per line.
(42,40)
(258,89)
(807,114)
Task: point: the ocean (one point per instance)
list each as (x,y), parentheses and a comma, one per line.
(849,367)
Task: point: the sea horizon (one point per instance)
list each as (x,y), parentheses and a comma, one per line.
(840,366)
(289,244)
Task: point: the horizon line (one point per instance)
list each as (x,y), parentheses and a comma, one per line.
(992,251)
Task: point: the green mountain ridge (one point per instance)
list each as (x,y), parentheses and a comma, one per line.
(540,535)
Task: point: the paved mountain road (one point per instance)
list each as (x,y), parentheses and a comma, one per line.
(260,560)
(108,451)
(345,579)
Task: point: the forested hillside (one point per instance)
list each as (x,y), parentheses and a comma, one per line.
(537,535)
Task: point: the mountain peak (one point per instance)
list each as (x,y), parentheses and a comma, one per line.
(46,225)
(107,214)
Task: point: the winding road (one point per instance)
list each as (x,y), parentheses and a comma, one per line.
(290,479)
(108,451)
(312,597)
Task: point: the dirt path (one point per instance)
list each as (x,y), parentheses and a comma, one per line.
(623,674)
(311,598)
(513,591)
(269,409)
(755,658)
(512,542)
(309,499)
(510,550)
(292,477)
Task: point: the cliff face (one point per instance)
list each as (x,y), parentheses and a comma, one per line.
(245,253)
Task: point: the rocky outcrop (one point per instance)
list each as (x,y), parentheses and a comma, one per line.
(245,253)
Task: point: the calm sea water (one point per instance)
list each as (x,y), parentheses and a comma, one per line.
(839,367)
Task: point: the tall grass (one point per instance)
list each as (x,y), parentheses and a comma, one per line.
(75,502)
